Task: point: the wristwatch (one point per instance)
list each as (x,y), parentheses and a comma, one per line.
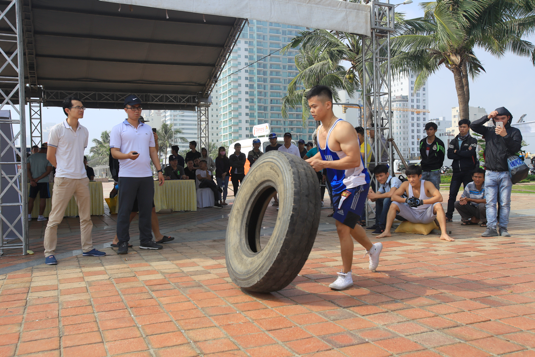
(160,170)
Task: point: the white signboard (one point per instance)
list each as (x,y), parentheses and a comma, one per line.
(261,130)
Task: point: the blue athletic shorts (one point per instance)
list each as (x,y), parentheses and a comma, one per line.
(352,207)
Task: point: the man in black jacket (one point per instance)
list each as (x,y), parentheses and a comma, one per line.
(463,151)
(237,163)
(502,141)
(432,152)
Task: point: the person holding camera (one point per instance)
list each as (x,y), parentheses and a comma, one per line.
(502,141)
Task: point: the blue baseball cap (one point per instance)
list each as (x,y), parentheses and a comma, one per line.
(132,100)
(256,141)
(273,136)
(301,141)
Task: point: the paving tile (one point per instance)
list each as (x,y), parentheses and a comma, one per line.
(496,345)
(462,350)
(466,333)
(308,345)
(433,339)
(399,345)
(95,350)
(365,349)
(407,328)
(268,351)
(215,346)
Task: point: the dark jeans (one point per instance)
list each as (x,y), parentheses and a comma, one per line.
(207,183)
(468,211)
(382,206)
(457,179)
(237,179)
(131,188)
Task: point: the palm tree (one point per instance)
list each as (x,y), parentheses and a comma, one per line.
(166,138)
(101,149)
(321,53)
(450,31)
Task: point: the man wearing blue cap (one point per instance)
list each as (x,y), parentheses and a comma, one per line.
(302,150)
(132,143)
(273,145)
(502,141)
(254,154)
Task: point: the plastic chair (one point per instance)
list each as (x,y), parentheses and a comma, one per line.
(205,196)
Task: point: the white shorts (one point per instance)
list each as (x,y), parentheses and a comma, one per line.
(416,216)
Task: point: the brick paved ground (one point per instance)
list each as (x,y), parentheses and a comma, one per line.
(474,297)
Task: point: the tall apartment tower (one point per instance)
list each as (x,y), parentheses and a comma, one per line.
(411,113)
(186,121)
(251,87)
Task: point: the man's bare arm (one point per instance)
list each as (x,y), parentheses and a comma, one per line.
(432,190)
(51,155)
(396,195)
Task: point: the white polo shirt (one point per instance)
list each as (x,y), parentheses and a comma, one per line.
(291,150)
(127,138)
(70,146)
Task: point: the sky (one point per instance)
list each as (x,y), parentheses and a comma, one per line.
(508,82)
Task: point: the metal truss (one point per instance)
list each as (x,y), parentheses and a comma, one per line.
(116,100)
(36,124)
(376,63)
(203,123)
(13,169)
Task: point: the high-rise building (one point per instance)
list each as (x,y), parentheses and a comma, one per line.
(443,125)
(351,112)
(410,115)
(153,118)
(253,83)
(185,121)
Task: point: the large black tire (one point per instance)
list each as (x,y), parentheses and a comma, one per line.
(273,267)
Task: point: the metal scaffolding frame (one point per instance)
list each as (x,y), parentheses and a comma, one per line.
(36,125)
(376,64)
(14,63)
(203,122)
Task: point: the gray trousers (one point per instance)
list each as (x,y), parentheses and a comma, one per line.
(131,188)
(468,211)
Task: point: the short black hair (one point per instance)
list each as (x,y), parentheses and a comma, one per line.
(380,169)
(194,143)
(431,125)
(360,130)
(67,103)
(204,149)
(478,170)
(35,147)
(202,161)
(174,147)
(464,121)
(413,170)
(85,158)
(322,91)
(237,144)
(188,160)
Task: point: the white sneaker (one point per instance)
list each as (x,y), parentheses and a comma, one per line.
(29,217)
(343,281)
(41,218)
(374,253)
(322,204)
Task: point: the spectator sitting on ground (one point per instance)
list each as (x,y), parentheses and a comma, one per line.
(189,170)
(472,205)
(207,181)
(210,164)
(173,171)
(301,148)
(193,154)
(180,158)
(39,169)
(383,197)
(288,146)
(422,205)
(89,170)
(254,154)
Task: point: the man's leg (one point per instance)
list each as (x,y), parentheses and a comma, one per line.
(235,184)
(63,192)
(392,212)
(83,199)
(491,196)
(132,216)
(464,211)
(145,198)
(435,178)
(456,181)
(128,187)
(346,245)
(30,205)
(378,211)
(504,196)
(215,189)
(481,207)
(42,206)
(155,225)
(387,202)
(441,218)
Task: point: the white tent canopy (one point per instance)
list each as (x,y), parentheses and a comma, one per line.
(324,14)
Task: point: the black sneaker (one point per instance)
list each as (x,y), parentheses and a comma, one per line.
(218,205)
(150,245)
(123,248)
(375,226)
(378,230)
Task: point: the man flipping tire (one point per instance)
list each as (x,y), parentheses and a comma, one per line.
(339,153)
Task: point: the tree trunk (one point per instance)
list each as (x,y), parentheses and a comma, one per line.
(465,82)
(461,95)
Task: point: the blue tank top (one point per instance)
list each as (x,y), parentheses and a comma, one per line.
(342,179)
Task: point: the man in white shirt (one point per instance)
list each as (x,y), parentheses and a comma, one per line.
(132,143)
(288,146)
(66,145)
(383,197)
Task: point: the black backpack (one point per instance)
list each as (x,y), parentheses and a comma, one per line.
(114,167)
